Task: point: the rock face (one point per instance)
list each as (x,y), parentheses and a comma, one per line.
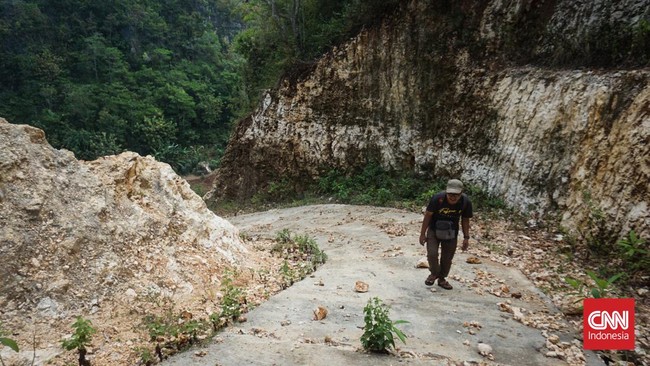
(76,233)
(460,90)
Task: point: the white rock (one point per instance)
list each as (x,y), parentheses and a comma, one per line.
(484,349)
(130,293)
(553,338)
(422,263)
(47,307)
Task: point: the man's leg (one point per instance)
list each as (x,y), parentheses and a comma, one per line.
(447,251)
(432,257)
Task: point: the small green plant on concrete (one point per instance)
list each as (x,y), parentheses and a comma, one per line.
(601,289)
(287,273)
(379,330)
(299,247)
(83,332)
(192,329)
(233,299)
(161,327)
(283,236)
(233,303)
(173,332)
(308,246)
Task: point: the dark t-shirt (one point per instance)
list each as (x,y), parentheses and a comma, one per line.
(442,210)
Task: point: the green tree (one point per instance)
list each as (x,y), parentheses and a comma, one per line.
(103,77)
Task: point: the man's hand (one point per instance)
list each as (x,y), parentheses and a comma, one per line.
(465,244)
(423,239)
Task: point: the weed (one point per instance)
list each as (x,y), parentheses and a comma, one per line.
(216,321)
(283,236)
(199,190)
(275,191)
(373,185)
(494,248)
(308,246)
(299,247)
(155,296)
(483,200)
(145,355)
(597,234)
(233,303)
(192,329)
(602,286)
(244,236)
(287,273)
(636,256)
(174,332)
(379,329)
(160,327)
(83,332)
(233,299)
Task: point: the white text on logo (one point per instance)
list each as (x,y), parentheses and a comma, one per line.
(599,320)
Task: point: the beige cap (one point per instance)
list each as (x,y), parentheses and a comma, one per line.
(454,186)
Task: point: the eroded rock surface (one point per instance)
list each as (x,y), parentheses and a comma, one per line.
(80,238)
(423,93)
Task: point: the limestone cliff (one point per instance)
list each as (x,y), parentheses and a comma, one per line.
(513,96)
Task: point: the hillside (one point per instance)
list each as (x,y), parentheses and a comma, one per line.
(500,95)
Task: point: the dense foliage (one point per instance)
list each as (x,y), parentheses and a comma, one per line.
(102,77)
(155,76)
(287,36)
(370,185)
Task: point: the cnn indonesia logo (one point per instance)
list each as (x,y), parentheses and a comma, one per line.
(608,324)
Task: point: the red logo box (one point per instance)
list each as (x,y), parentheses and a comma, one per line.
(608,324)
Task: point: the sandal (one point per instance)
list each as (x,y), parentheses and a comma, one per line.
(430,280)
(444,284)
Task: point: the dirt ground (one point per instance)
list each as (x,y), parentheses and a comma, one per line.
(493,302)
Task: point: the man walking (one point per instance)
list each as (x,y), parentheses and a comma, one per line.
(440,230)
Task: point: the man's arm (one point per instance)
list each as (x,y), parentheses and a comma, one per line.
(465,225)
(425,225)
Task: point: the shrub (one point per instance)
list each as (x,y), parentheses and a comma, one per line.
(301,247)
(636,256)
(233,300)
(602,285)
(83,332)
(379,329)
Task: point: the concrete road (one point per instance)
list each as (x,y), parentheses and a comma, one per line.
(379,247)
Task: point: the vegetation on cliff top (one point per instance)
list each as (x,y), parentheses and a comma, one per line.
(165,78)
